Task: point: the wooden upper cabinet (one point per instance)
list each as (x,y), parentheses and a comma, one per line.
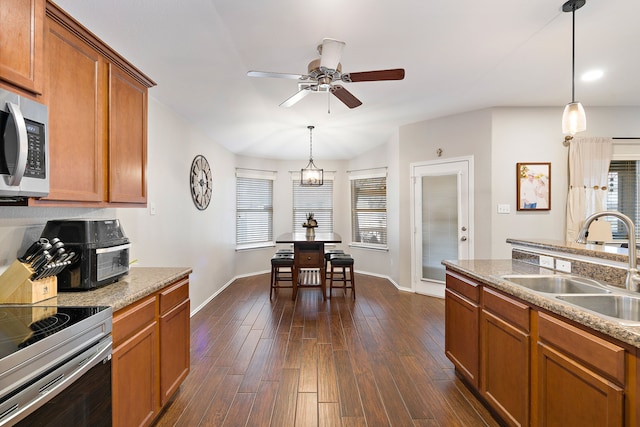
(76,79)
(97,119)
(127,138)
(21,43)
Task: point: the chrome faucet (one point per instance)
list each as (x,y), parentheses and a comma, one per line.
(632,282)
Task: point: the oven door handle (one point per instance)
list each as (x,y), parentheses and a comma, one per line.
(38,394)
(113,249)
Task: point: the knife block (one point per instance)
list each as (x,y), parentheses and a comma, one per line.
(16,287)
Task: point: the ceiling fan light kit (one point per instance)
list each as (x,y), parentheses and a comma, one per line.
(311,175)
(574,119)
(323,73)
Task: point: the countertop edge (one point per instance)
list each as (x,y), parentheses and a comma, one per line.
(139,283)
(488,272)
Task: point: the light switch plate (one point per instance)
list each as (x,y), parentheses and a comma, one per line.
(563,265)
(504,209)
(546,261)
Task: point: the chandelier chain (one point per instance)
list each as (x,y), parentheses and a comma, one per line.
(310,143)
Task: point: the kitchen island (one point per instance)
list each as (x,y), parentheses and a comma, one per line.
(532,358)
(151,339)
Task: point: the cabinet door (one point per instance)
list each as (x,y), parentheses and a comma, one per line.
(135,402)
(127,138)
(461,335)
(21,43)
(571,395)
(76,80)
(505,369)
(174,350)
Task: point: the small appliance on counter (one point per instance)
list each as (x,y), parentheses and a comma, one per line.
(101,249)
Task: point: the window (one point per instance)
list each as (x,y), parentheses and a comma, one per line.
(623,195)
(318,200)
(254,208)
(369,211)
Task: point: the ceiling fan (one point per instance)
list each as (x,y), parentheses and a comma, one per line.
(324,72)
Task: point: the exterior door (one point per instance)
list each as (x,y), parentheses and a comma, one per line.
(442,202)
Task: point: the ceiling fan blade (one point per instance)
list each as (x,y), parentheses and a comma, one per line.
(274,75)
(295,97)
(374,76)
(345,96)
(331,53)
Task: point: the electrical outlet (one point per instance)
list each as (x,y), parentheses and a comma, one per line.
(563,265)
(546,261)
(504,209)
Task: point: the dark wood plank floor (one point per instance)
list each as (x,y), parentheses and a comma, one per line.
(375,361)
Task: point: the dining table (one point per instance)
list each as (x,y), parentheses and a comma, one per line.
(308,256)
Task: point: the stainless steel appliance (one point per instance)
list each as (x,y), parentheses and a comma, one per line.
(24,147)
(55,365)
(100,248)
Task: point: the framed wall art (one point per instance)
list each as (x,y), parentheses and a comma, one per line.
(534,186)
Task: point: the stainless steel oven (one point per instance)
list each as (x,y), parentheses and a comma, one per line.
(55,366)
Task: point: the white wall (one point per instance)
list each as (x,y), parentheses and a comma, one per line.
(458,135)
(535,135)
(179,234)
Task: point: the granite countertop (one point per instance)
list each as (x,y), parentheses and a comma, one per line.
(609,252)
(488,272)
(140,282)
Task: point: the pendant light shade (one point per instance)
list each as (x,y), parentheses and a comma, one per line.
(574,119)
(311,175)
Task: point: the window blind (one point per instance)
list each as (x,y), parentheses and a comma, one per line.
(254,211)
(369,211)
(622,195)
(318,200)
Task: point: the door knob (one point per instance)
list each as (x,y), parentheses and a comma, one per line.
(464,228)
(463,238)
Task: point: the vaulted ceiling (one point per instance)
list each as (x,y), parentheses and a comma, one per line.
(458,56)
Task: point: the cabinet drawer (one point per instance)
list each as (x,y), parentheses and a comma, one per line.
(309,259)
(468,289)
(600,355)
(130,320)
(174,295)
(506,308)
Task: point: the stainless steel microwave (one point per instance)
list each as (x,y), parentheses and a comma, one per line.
(24,147)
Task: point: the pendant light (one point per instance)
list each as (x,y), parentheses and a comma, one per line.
(574,119)
(311,175)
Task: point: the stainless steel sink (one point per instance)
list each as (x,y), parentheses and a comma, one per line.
(557,284)
(623,307)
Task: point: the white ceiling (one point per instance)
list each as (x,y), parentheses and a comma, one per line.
(458,56)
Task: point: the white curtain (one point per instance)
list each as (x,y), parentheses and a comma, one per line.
(589,160)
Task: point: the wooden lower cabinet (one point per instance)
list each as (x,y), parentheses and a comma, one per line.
(174,339)
(151,354)
(532,368)
(135,364)
(580,377)
(505,357)
(462,316)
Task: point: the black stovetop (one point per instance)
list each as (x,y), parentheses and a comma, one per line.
(22,326)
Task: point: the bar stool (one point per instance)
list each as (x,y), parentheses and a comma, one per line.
(339,264)
(327,256)
(281,271)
